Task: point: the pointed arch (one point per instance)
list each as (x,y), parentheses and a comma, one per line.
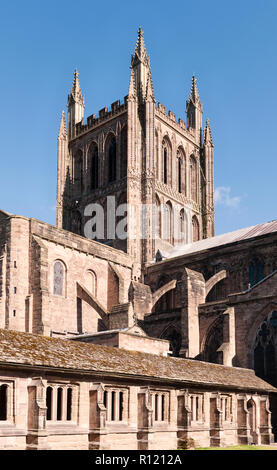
(172,334)
(59,278)
(78,178)
(193,179)
(123,148)
(181,170)
(93,166)
(166,160)
(195,229)
(111,157)
(168,222)
(76,222)
(158,217)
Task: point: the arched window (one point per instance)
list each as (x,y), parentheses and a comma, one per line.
(168,223)
(195,229)
(78,181)
(158,218)
(193,178)
(157,155)
(91,282)
(3,402)
(111,159)
(182,235)
(123,157)
(59,403)
(265,349)
(49,403)
(94,164)
(181,171)
(166,155)
(58,281)
(69,404)
(256,270)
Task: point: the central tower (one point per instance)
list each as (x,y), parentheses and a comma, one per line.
(136,153)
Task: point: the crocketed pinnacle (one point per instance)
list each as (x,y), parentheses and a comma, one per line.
(140,47)
(76,92)
(194,95)
(208,134)
(62,131)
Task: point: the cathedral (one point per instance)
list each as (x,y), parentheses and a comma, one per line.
(129,324)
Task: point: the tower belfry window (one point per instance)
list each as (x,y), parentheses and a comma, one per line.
(112,160)
(165,166)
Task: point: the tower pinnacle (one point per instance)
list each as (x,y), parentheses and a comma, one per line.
(62,131)
(76,92)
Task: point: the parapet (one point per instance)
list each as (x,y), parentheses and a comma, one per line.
(104,114)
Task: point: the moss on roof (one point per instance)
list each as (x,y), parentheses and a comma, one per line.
(42,351)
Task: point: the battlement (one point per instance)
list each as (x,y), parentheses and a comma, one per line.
(104,114)
(170,117)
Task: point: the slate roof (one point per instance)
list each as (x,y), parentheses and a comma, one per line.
(17,348)
(224,239)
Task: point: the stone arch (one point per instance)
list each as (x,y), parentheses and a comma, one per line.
(193,179)
(195,229)
(78,176)
(214,280)
(168,222)
(212,341)
(172,334)
(93,164)
(166,159)
(163,298)
(91,282)
(181,170)
(111,157)
(59,278)
(251,336)
(264,348)
(123,151)
(158,217)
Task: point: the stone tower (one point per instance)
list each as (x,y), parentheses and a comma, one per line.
(138,154)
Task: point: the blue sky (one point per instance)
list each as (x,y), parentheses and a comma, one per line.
(229,46)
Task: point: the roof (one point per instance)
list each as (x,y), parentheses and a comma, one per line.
(26,349)
(224,239)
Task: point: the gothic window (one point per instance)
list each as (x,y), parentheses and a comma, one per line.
(265,349)
(94,164)
(213,341)
(166,155)
(111,159)
(195,229)
(123,159)
(168,223)
(59,401)
(193,179)
(49,402)
(165,164)
(256,269)
(181,171)
(182,226)
(116,404)
(157,155)
(3,402)
(158,218)
(91,282)
(160,406)
(197,407)
(78,173)
(58,287)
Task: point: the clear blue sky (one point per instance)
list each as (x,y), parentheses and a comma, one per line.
(229,46)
